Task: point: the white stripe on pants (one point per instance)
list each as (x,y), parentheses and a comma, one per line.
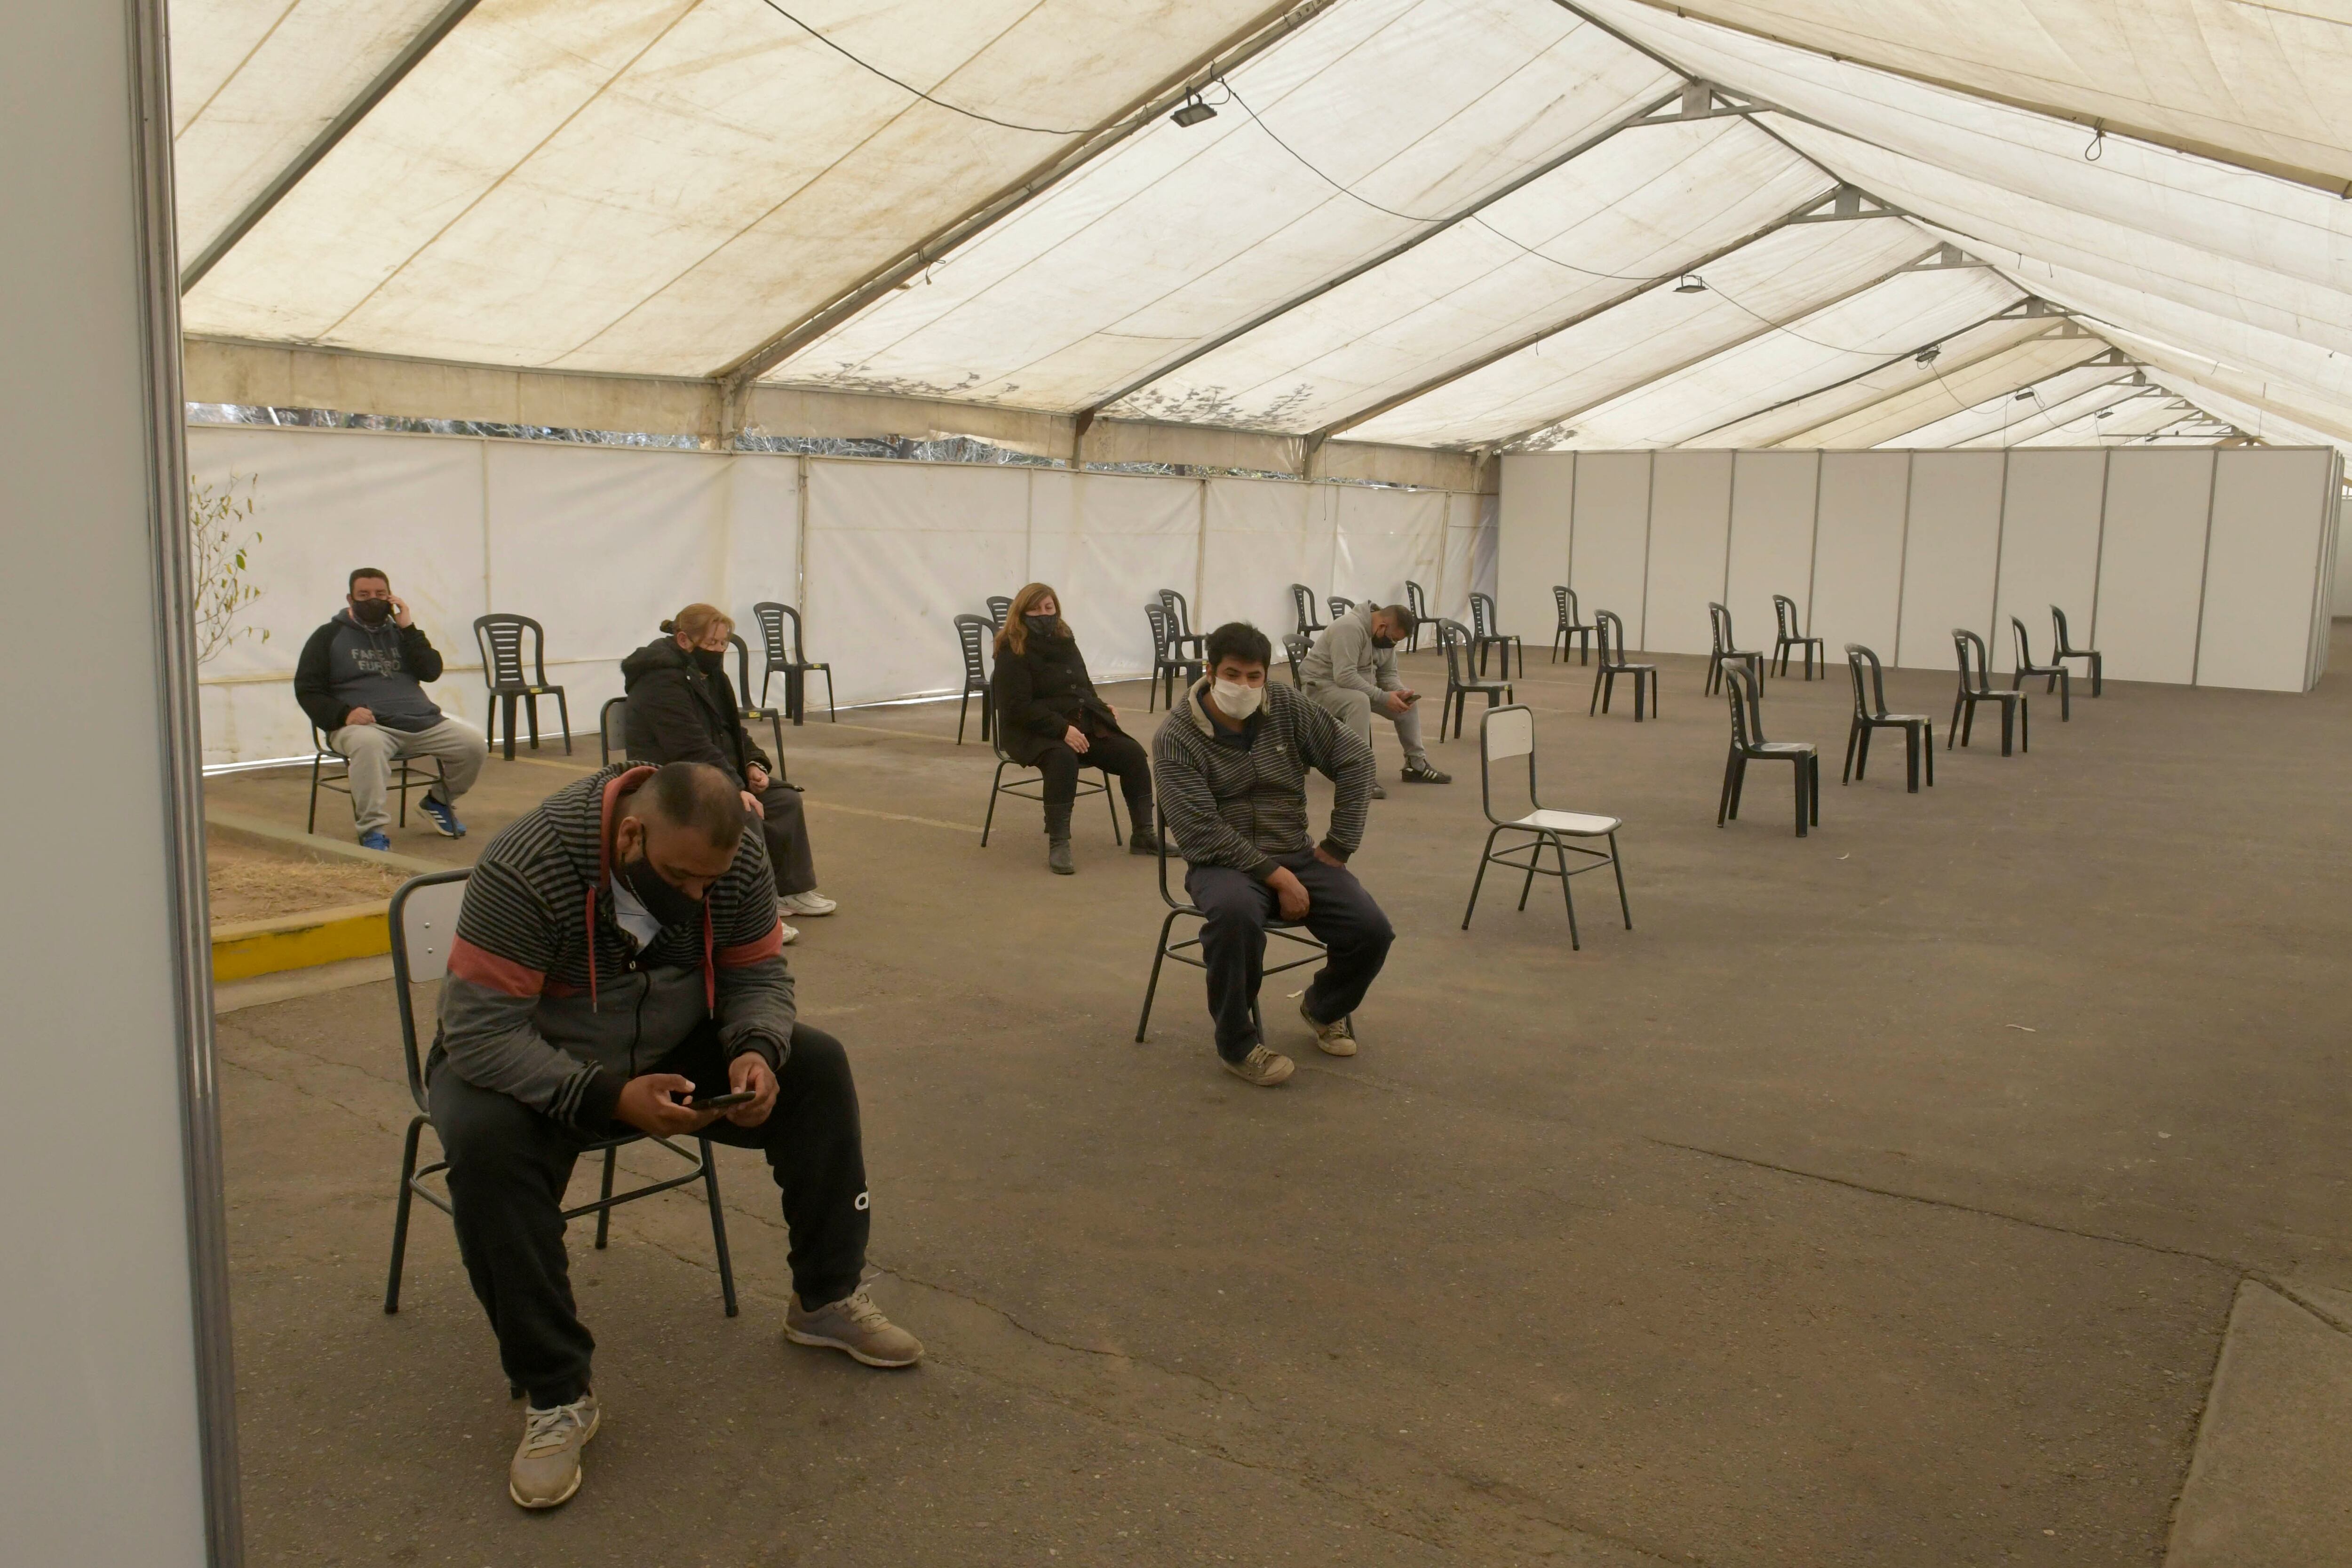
(372,749)
(1354,709)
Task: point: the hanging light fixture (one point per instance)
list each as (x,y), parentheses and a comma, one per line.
(1193,112)
(1929,354)
(1690,283)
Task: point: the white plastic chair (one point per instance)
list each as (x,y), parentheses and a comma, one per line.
(1508,733)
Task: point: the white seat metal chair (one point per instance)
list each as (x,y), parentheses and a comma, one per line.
(1506,734)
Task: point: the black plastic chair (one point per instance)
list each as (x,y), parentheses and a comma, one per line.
(500,639)
(1748,744)
(2065,649)
(406,775)
(1302,599)
(1340,606)
(1296,646)
(752,711)
(1719,628)
(1181,951)
(1034,789)
(2053,674)
(1486,633)
(1166,664)
(422,918)
(1609,629)
(1870,713)
(1508,733)
(1416,599)
(613,731)
(973,633)
(999,607)
(1784,616)
(1181,637)
(1975,686)
(790,659)
(1460,683)
(1571,628)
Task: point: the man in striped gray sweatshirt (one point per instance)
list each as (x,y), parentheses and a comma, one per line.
(1232,762)
(618,957)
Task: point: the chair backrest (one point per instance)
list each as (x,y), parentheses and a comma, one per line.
(974,632)
(1483,618)
(1296,645)
(613,730)
(1416,599)
(2024,643)
(1719,627)
(1784,614)
(1870,703)
(1975,670)
(1156,611)
(1454,638)
(999,607)
(1564,598)
(742,671)
(423,919)
(1180,613)
(1747,706)
(1609,630)
(1504,734)
(500,638)
(777,652)
(2065,639)
(1340,606)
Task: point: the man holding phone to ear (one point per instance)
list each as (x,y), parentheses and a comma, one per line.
(618,963)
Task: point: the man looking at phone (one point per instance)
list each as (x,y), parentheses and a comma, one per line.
(618,957)
(1351,674)
(361,679)
(1232,762)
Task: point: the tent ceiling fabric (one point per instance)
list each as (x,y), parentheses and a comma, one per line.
(1426,222)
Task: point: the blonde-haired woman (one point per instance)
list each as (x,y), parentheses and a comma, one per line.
(1050,719)
(683,708)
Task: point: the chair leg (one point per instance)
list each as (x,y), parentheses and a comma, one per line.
(1480,880)
(832,715)
(564,717)
(1853,739)
(1738,784)
(2065,698)
(312,825)
(1813,788)
(506,706)
(530,709)
(400,1212)
(1862,762)
(718,1229)
(1714,673)
(964,711)
(1110,798)
(995,788)
(1598,677)
(2097,673)
(1801,796)
(1929,731)
(1910,759)
(2008,725)
(2025,727)
(1567,892)
(1618,866)
(1152,989)
(1535,855)
(777,724)
(1723,805)
(605,1197)
(1952,730)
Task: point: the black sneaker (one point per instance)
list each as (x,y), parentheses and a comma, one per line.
(1422,772)
(1378,792)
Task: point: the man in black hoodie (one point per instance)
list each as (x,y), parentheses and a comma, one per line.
(361,679)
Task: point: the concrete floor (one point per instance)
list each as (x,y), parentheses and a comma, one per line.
(1881,1198)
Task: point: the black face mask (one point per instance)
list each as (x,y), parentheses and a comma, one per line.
(663,901)
(1379,641)
(710,661)
(372,612)
(1041,625)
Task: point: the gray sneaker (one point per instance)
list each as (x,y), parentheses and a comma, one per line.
(546,1467)
(1334,1039)
(1263,1068)
(854,1324)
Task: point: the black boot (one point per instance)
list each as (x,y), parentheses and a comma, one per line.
(1057,840)
(1141,840)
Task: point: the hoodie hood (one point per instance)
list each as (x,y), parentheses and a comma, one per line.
(662,653)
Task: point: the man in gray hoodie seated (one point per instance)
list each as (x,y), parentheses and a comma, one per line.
(1351,674)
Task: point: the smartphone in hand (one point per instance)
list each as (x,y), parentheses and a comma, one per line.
(721,1101)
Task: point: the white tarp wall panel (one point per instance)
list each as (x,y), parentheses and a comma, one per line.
(1261,537)
(599,545)
(1690,533)
(2262,558)
(1386,537)
(2049,549)
(1609,550)
(1450,595)
(896,552)
(2343,598)
(1107,542)
(1531,543)
(1858,550)
(761,545)
(1773,495)
(1950,554)
(326,501)
(2152,564)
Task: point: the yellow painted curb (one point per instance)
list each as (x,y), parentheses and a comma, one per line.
(248,948)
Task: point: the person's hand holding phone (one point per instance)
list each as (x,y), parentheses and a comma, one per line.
(399,611)
(1400,700)
(652,1104)
(749,1073)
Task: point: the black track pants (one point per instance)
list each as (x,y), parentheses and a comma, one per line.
(1340,914)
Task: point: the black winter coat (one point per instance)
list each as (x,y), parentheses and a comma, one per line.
(678,712)
(1041,692)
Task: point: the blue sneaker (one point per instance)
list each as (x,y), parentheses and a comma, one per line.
(444,821)
(375,841)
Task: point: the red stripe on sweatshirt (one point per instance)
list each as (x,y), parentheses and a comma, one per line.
(743,954)
(487,970)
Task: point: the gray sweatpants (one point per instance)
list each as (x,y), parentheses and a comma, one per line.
(1354,709)
(373,750)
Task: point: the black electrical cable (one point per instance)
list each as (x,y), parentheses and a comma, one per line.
(919,92)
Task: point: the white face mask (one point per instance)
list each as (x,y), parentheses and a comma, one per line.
(1238,701)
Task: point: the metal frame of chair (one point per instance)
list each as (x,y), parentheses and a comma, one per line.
(1288,930)
(1975,686)
(422,920)
(974,633)
(1719,629)
(2063,648)
(405,777)
(1485,632)
(1166,663)
(997,786)
(1748,744)
(1302,600)
(1789,636)
(1510,732)
(2053,675)
(1570,629)
(1453,640)
(1416,599)
(498,637)
(1870,713)
(1609,630)
(795,667)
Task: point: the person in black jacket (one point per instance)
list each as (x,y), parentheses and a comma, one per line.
(361,679)
(682,708)
(1049,717)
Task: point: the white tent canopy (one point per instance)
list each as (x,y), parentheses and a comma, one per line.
(1518,225)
